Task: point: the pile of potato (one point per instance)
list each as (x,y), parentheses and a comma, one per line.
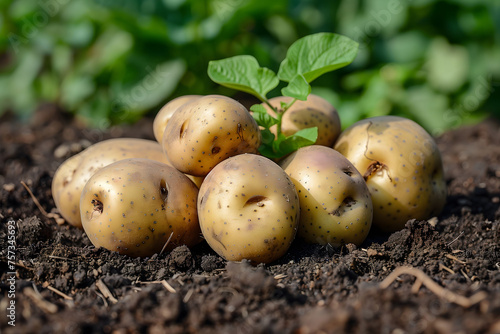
(204,179)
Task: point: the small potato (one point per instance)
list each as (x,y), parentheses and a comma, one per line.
(205,131)
(166,112)
(248,209)
(133,206)
(402,166)
(315,111)
(335,204)
(71,176)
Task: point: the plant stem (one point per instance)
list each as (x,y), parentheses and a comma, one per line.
(289,105)
(270,106)
(279,115)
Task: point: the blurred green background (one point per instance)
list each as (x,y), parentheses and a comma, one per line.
(112,61)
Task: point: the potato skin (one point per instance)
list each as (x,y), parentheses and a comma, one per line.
(248,209)
(133,206)
(166,112)
(204,132)
(71,176)
(335,204)
(402,166)
(315,111)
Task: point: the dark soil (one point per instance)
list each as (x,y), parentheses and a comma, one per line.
(313,289)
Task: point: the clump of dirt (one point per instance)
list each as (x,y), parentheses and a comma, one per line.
(64,284)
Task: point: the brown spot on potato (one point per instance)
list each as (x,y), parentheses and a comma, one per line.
(98,207)
(346,203)
(257,200)
(373,168)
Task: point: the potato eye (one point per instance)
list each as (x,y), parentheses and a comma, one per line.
(163,190)
(183,129)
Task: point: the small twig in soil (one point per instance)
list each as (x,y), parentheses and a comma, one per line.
(105,291)
(434,287)
(442,266)
(465,275)
(54,216)
(455,239)
(451,257)
(188,295)
(62,294)
(168,286)
(61,258)
(38,300)
(280,276)
(416,286)
(164,283)
(21,264)
(165,246)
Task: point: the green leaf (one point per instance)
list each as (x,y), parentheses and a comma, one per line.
(267,137)
(298,88)
(262,117)
(317,54)
(268,152)
(304,137)
(447,66)
(258,108)
(243,73)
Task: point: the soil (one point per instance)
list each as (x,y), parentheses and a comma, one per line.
(65,285)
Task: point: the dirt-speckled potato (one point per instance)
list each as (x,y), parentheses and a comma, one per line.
(402,166)
(248,209)
(335,204)
(315,111)
(133,206)
(71,176)
(205,131)
(166,112)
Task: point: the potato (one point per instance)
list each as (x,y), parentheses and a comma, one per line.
(315,111)
(402,167)
(71,176)
(166,112)
(205,131)
(133,206)
(248,209)
(335,204)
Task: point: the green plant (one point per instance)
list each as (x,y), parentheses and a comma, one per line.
(306,59)
(434,61)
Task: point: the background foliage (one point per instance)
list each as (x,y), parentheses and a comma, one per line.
(111,61)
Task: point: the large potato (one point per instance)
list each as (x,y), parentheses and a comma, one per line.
(335,204)
(71,176)
(248,209)
(402,167)
(166,112)
(315,111)
(205,131)
(133,206)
